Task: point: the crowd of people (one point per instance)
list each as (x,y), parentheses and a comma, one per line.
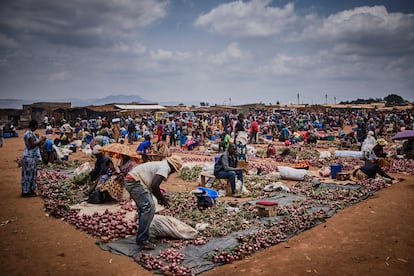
(368,131)
(281,126)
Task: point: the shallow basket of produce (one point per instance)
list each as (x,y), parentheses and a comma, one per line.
(301,164)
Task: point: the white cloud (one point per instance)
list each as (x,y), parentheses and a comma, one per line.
(82,23)
(129,48)
(8,42)
(59,76)
(367,30)
(232,54)
(247,19)
(166,55)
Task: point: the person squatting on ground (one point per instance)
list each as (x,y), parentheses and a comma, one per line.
(31,155)
(370,169)
(226,167)
(100,169)
(142,182)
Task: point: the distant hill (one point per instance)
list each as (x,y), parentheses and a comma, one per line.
(18,103)
(108,99)
(13,103)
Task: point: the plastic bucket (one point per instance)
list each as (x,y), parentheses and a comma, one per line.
(213,138)
(269,137)
(212,193)
(335,168)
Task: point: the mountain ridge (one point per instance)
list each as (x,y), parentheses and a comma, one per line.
(76,102)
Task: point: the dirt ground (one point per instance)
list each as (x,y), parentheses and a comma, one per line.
(374,237)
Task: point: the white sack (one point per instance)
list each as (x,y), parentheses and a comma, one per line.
(349,153)
(292,174)
(170,227)
(324,154)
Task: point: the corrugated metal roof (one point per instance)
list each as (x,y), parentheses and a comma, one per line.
(139,106)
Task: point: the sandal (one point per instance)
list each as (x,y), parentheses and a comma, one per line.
(146,245)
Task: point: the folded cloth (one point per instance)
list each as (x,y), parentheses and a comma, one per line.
(266,202)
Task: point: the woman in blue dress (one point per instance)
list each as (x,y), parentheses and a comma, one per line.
(31,155)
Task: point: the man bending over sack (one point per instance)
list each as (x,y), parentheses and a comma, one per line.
(142,182)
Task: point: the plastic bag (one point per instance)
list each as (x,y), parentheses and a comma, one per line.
(204,200)
(97,197)
(170,227)
(241,187)
(324,171)
(278,186)
(84,168)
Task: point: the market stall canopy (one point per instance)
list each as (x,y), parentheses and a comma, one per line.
(404,135)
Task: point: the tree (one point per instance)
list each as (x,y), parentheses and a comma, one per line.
(393,99)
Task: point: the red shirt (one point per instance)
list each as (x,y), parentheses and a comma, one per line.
(255,126)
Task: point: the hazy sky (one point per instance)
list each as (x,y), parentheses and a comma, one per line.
(207,50)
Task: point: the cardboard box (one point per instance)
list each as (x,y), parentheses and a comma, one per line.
(266,211)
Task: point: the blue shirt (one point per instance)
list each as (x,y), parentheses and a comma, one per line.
(144,146)
(49,145)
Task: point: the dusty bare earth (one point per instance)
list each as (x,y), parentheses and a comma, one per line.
(374,237)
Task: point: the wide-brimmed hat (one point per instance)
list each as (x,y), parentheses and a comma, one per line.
(176,162)
(97,149)
(381,142)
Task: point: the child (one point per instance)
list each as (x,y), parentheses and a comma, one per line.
(50,152)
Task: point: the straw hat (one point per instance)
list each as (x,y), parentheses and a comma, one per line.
(381,142)
(175,161)
(97,149)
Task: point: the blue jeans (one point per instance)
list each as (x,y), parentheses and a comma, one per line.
(232,176)
(145,208)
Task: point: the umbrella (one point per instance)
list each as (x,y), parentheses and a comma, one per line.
(116,150)
(404,135)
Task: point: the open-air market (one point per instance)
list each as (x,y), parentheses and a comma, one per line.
(243,178)
(224,137)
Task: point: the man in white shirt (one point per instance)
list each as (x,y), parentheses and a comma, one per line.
(142,182)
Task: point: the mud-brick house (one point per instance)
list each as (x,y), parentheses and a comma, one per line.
(88,112)
(38,111)
(108,111)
